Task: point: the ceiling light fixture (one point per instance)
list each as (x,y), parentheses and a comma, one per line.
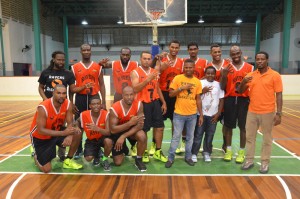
(201,20)
(84,22)
(120,21)
(238,20)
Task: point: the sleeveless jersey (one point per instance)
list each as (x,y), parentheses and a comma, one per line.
(86,118)
(85,75)
(119,111)
(200,65)
(169,73)
(149,92)
(55,119)
(121,76)
(234,79)
(218,72)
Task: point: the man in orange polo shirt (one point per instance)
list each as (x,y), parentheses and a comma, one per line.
(265,92)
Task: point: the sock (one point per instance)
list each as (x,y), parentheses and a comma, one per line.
(242,148)
(138,157)
(104,158)
(156,149)
(69,157)
(229,147)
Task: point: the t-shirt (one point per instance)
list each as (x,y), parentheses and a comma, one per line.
(49,78)
(210,100)
(186,99)
(262,89)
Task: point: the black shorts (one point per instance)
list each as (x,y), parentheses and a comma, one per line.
(153,116)
(235,111)
(170,101)
(45,150)
(92,147)
(82,102)
(124,149)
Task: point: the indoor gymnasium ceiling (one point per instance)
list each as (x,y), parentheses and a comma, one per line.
(107,12)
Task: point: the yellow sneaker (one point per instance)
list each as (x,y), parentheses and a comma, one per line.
(177,151)
(182,148)
(71,164)
(241,156)
(228,155)
(133,151)
(145,156)
(152,148)
(160,156)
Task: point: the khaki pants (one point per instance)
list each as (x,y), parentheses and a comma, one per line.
(265,122)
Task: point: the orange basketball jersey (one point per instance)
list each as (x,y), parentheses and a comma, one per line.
(88,74)
(218,72)
(200,65)
(119,111)
(149,92)
(86,118)
(234,79)
(55,119)
(169,73)
(121,76)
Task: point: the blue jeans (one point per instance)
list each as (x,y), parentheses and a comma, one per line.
(209,129)
(179,121)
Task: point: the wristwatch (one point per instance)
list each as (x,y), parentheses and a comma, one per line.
(279,113)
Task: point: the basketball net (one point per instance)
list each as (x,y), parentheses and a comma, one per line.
(154,16)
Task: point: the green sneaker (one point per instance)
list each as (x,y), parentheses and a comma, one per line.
(133,151)
(241,156)
(182,148)
(160,156)
(145,157)
(228,155)
(152,148)
(177,151)
(32,153)
(71,164)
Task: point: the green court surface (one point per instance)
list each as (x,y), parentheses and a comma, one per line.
(282,161)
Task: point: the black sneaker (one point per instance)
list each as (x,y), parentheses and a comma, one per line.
(140,165)
(61,153)
(189,162)
(96,161)
(106,166)
(168,164)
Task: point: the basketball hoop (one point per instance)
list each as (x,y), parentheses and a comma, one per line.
(155,14)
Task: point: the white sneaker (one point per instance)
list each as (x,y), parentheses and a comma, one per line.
(207,158)
(194,158)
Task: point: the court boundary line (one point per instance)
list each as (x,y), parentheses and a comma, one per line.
(14,153)
(285,187)
(13,186)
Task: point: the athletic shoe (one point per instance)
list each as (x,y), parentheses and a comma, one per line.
(152,148)
(241,156)
(61,153)
(168,164)
(194,158)
(247,165)
(96,161)
(206,157)
(189,162)
(71,164)
(133,151)
(77,155)
(177,151)
(32,153)
(140,165)
(228,155)
(106,166)
(160,156)
(182,148)
(101,154)
(264,168)
(145,156)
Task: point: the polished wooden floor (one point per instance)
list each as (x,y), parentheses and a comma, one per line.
(15,119)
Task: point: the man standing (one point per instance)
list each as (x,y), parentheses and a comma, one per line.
(235,104)
(145,83)
(265,92)
(126,120)
(46,133)
(89,81)
(187,89)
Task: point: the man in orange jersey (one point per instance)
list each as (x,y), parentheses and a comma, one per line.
(145,83)
(265,92)
(126,120)
(46,133)
(89,81)
(94,122)
(235,104)
(169,66)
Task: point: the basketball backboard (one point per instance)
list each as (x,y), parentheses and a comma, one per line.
(139,12)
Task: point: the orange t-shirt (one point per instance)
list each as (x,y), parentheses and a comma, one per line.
(218,72)
(86,118)
(262,89)
(200,65)
(55,119)
(85,75)
(169,73)
(234,79)
(119,111)
(121,76)
(149,92)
